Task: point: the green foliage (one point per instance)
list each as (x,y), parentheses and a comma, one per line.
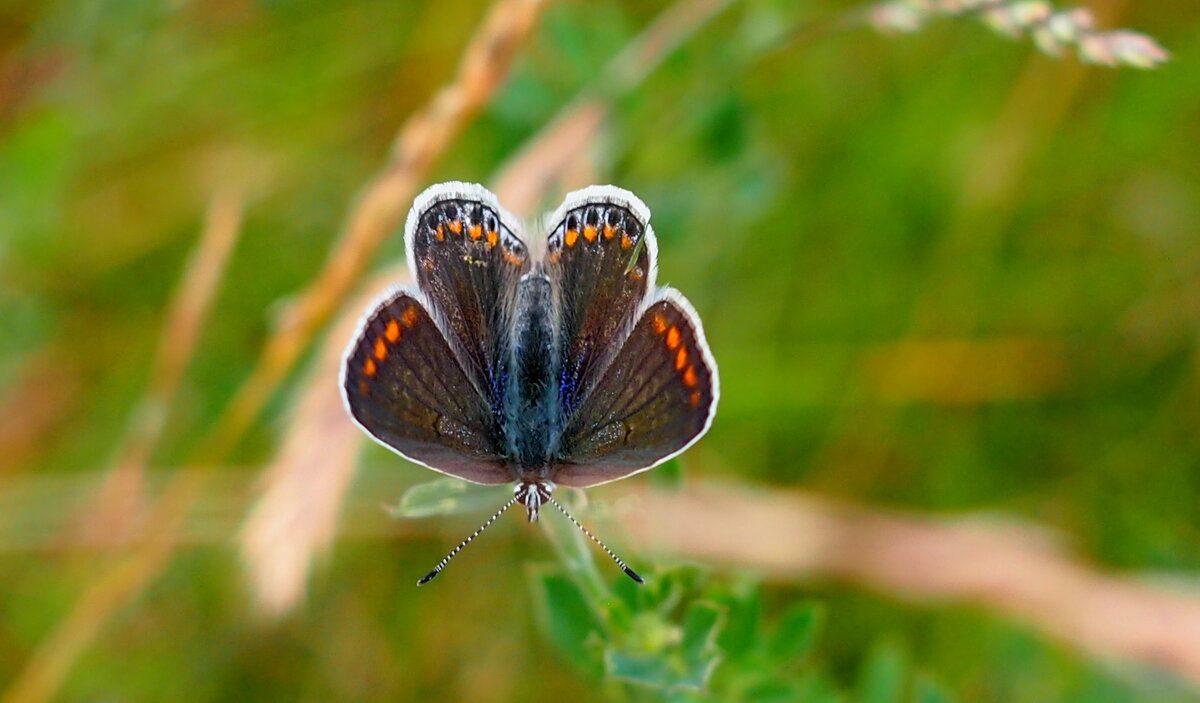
(686,635)
(834,204)
(448,496)
(689,636)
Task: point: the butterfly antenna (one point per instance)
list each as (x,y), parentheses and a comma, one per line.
(624,567)
(446,560)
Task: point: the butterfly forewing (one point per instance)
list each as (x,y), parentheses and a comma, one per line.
(404,385)
(600,260)
(468,260)
(655,399)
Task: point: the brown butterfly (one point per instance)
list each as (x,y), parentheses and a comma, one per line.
(564,365)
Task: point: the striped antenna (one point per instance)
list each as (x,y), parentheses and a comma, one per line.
(442,564)
(624,567)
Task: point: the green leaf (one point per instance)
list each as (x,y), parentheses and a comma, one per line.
(797,632)
(644,669)
(883,674)
(660,671)
(575,550)
(700,627)
(448,496)
(741,632)
(564,615)
(696,673)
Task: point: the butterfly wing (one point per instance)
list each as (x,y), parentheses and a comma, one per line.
(600,260)
(656,398)
(467,259)
(402,383)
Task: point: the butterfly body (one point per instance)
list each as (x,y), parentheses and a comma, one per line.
(533,418)
(558,364)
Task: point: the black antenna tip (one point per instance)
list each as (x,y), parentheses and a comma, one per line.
(631,574)
(430,576)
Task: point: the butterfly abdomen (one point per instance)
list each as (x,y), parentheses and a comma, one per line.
(533,420)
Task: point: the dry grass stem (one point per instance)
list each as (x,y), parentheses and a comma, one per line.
(116,511)
(114,588)
(669,30)
(303,489)
(1011,569)
(488,56)
(544,160)
(118,505)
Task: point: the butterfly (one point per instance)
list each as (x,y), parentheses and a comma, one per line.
(553,362)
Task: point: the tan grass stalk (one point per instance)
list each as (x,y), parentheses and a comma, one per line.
(115,517)
(295,517)
(1018,570)
(114,588)
(487,58)
(118,505)
(1010,568)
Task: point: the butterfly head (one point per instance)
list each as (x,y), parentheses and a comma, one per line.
(533,494)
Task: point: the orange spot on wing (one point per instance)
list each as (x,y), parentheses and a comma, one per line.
(440,233)
(673,337)
(513,258)
(636,273)
(409,318)
(694,400)
(555,256)
(681,358)
(689,377)
(589,233)
(369,367)
(364,388)
(572,237)
(626,242)
(492,238)
(380,349)
(660,324)
(609,232)
(456,226)
(393,331)
(476,232)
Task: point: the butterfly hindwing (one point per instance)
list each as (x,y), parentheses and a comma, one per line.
(404,385)
(655,399)
(600,259)
(467,259)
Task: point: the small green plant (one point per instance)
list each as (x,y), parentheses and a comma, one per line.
(687,635)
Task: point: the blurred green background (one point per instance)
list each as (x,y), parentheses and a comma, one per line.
(940,272)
